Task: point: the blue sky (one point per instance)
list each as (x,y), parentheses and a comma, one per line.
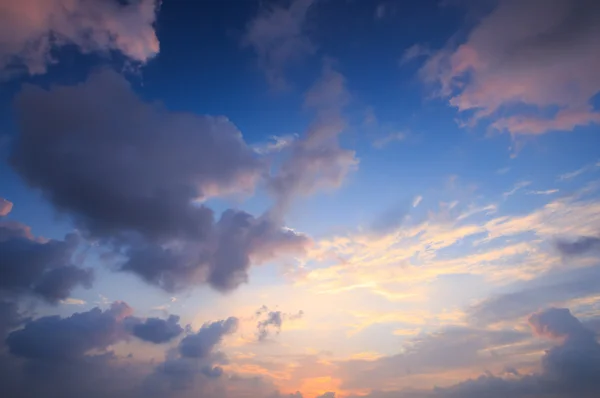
(331,198)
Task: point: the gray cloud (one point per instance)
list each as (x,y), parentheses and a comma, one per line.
(316,160)
(453,347)
(568,370)
(65,339)
(579,246)
(156,330)
(31,29)
(128,172)
(531,296)
(201,344)
(273,320)
(10,317)
(277,35)
(37,266)
(121,165)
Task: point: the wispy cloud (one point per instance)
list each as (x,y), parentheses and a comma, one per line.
(516,188)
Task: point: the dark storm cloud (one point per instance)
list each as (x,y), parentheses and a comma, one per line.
(128,172)
(202,343)
(579,246)
(54,338)
(156,330)
(38,266)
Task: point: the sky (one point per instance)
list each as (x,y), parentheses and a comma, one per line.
(300,198)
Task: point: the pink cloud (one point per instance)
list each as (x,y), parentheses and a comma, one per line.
(541,54)
(5,206)
(30,29)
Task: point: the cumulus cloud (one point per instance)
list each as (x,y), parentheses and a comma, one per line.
(134,171)
(202,343)
(535,77)
(31,29)
(316,159)
(273,320)
(156,330)
(61,339)
(277,35)
(5,207)
(36,266)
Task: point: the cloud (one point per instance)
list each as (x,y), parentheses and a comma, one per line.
(276,144)
(581,245)
(73,301)
(388,139)
(537,77)
(39,267)
(569,369)
(134,172)
(274,319)
(517,187)
(450,348)
(221,260)
(132,167)
(62,339)
(156,330)
(316,160)
(578,172)
(545,192)
(278,37)
(31,29)
(5,207)
(201,343)
(417,200)
(10,317)
(554,287)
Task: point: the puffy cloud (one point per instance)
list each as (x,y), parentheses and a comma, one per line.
(201,344)
(273,320)
(156,330)
(278,38)
(61,339)
(535,77)
(131,166)
(31,29)
(134,170)
(317,160)
(41,267)
(5,206)
(222,259)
